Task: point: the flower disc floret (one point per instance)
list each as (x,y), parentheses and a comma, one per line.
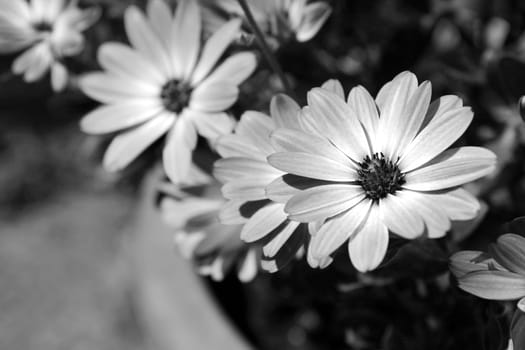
(379,176)
(175,95)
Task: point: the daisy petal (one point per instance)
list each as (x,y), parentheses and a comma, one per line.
(439,107)
(145,40)
(413,116)
(510,251)
(17,9)
(110,118)
(453,167)
(249,267)
(458,204)
(248,189)
(177,153)
(234,70)
(334,86)
(213,97)
(401,216)
(127,146)
(391,100)
(256,127)
(235,168)
(238,146)
(367,247)
(437,136)
(186,34)
(214,48)
(334,232)
(433,214)
(319,203)
(264,221)
(366,110)
(312,165)
(335,119)
(59,77)
(315,15)
(160,17)
(285,112)
(466,261)
(212,125)
(111,89)
(289,140)
(123,61)
(230,213)
(271,248)
(284,187)
(494,285)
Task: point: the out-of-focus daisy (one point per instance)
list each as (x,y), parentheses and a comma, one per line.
(214,248)
(245,174)
(49,29)
(497,275)
(386,167)
(165,83)
(280,19)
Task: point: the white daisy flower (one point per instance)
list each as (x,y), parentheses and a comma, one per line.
(245,174)
(165,84)
(279,19)
(386,168)
(49,29)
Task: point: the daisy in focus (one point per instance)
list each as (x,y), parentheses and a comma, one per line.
(165,84)
(245,174)
(48,31)
(280,19)
(385,169)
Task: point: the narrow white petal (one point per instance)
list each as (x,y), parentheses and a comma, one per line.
(122,60)
(256,127)
(212,125)
(319,203)
(452,168)
(271,248)
(214,48)
(235,168)
(367,247)
(334,86)
(249,188)
(145,40)
(234,70)
(111,89)
(313,166)
(437,136)
(458,203)
(177,153)
(231,213)
(127,146)
(401,216)
(365,108)
(249,267)
(412,118)
(315,16)
(264,221)
(432,212)
(234,145)
(289,140)
(439,107)
(338,122)
(42,59)
(391,100)
(285,112)
(111,118)
(213,97)
(186,34)
(18,9)
(334,232)
(284,187)
(59,77)
(160,19)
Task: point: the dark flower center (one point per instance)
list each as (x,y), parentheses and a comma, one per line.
(379,176)
(175,95)
(43,26)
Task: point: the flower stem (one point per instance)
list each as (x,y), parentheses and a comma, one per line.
(268,55)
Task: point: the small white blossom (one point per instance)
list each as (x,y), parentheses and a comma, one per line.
(48,30)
